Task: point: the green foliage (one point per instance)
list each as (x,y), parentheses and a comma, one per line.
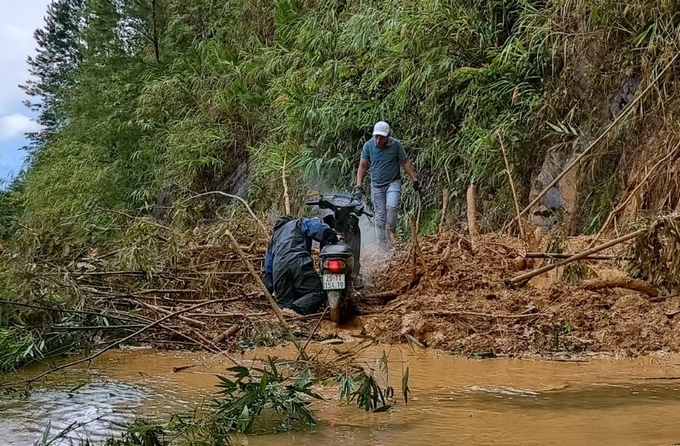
(600,203)
(365,392)
(563,338)
(655,253)
(243,401)
(576,272)
(363,388)
(141,433)
(9,202)
(188,97)
(19,347)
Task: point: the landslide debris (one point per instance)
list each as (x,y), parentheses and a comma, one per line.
(462,305)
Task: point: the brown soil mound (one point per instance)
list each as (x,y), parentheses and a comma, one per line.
(462,305)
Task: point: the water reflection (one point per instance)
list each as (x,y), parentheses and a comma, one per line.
(93,407)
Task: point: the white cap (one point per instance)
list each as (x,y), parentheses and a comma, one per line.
(381,128)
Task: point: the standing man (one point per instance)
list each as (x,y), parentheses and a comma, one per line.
(384,156)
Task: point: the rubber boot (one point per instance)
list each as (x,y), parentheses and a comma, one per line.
(394,239)
(381,236)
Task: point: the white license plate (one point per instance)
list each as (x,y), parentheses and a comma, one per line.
(333,281)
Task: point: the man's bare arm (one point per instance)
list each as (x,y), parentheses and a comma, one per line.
(408,167)
(361,172)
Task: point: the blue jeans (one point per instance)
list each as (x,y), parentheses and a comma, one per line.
(386,207)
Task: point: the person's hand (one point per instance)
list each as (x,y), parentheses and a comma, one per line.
(359,192)
(417,186)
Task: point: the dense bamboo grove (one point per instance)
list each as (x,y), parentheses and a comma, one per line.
(147,103)
(167,98)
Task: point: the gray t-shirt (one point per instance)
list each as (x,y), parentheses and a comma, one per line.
(385,162)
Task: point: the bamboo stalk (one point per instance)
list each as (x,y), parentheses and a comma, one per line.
(488,315)
(286,197)
(205,340)
(630,196)
(264,289)
(164,311)
(416,248)
(445,206)
(60,310)
(95,327)
(162,291)
(316,327)
(226,314)
(472,215)
(206,347)
(514,192)
(561,255)
(579,256)
(227,333)
(618,119)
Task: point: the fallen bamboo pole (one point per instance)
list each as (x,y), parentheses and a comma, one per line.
(578,159)
(580,256)
(316,327)
(562,255)
(61,310)
(226,334)
(264,289)
(94,327)
(166,311)
(198,342)
(487,315)
(241,315)
(107,348)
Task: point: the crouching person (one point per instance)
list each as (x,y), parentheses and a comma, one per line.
(289,272)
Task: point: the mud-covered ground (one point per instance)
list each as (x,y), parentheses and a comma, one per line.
(462,305)
(457,301)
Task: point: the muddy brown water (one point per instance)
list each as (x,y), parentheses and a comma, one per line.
(454,400)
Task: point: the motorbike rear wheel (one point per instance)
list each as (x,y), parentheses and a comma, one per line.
(336,315)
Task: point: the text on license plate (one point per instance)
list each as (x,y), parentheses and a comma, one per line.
(333,281)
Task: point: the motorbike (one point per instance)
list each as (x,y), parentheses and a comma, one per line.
(339,262)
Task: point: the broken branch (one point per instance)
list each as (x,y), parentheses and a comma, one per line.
(622,282)
(580,256)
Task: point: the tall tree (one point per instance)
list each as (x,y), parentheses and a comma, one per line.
(58,54)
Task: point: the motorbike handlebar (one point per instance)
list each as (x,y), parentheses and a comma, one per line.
(325,204)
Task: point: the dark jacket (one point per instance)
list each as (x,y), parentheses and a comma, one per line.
(292,240)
